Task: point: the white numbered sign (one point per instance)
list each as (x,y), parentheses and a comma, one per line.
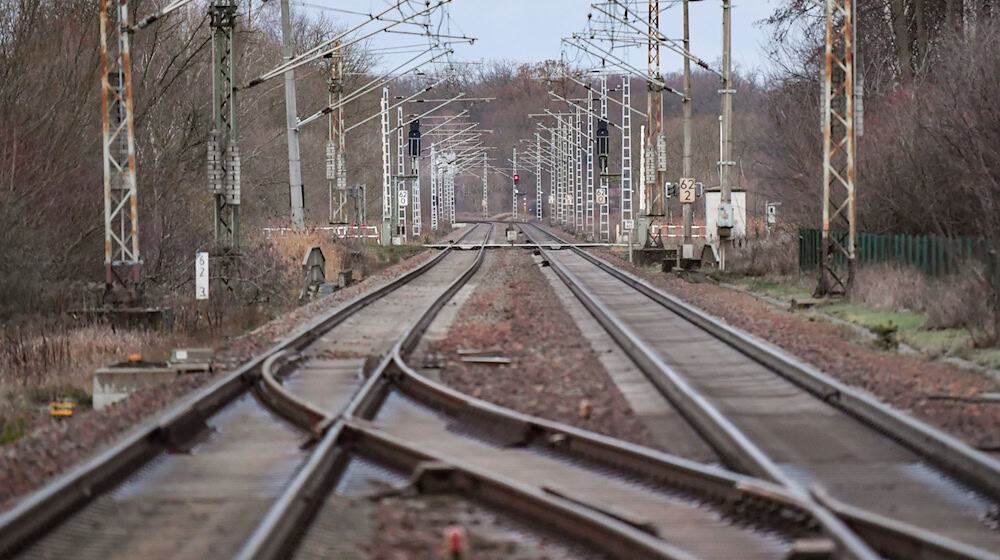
(686,190)
(201,275)
(402,197)
(629,225)
(602,196)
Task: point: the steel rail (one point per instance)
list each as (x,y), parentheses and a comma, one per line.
(180,424)
(277,534)
(617,538)
(300,500)
(733,446)
(883,533)
(947,452)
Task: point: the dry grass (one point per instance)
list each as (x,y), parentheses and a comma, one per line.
(767,255)
(49,355)
(292,248)
(958,301)
(891,288)
(41,362)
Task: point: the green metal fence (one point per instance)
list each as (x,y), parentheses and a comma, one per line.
(933,254)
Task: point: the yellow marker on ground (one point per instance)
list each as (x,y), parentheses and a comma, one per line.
(57,408)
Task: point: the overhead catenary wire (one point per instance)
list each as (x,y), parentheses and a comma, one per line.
(329,46)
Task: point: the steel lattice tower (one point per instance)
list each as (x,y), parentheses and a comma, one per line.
(538,176)
(486,210)
(590,223)
(336,165)
(121,206)
(223,153)
(513,187)
(400,182)
(386,160)
(434,188)
(604,193)
(578,173)
(626,183)
(838,151)
(655,145)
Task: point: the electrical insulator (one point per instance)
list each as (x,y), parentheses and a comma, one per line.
(414,136)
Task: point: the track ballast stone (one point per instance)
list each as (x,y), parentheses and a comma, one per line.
(553,371)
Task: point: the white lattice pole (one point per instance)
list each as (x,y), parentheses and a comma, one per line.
(578,173)
(626,183)
(590,222)
(434,188)
(400,181)
(604,225)
(538,176)
(486,198)
(387,200)
(513,187)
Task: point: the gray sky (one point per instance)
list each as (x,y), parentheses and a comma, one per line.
(529,30)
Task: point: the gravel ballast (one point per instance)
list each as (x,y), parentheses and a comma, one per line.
(932,391)
(418,528)
(553,372)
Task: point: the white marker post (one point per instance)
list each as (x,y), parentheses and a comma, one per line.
(201,276)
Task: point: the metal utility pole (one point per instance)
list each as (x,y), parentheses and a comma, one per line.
(555,137)
(604,193)
(386,233)
(538,176)
(578,173)
(121,206)
(627,222)
(590,223)
(434,188)
(336,157)
(295,187)
(450,184)
(223,153)
(688,209)
(400,180)
(655,145)
(558,155)
(642,169)
(486,204)
(838,150)
(415,171)
(513,186)
(726,162)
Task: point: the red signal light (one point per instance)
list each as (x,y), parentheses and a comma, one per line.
(517,178)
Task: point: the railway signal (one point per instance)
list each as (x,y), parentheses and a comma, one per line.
(602,145)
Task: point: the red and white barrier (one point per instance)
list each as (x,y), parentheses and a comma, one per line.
(670,230)
(340,232)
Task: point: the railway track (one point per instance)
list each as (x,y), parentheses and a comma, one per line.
(619,498)
(252,489)
(195,482)
(908,489)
